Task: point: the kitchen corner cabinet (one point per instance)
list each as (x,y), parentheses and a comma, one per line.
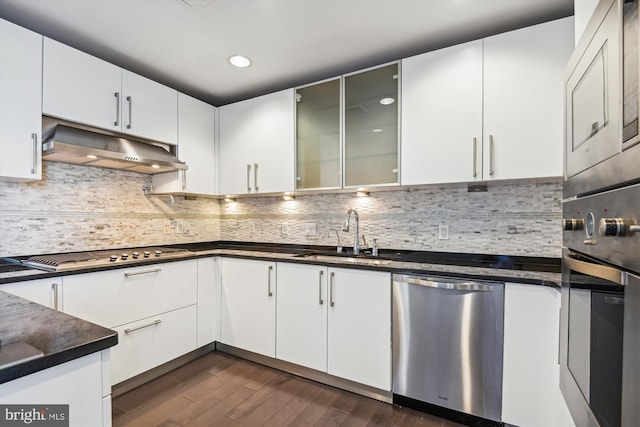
(371,127)
(47,292)
(248,314)
(359,326)
(488,109)
(196,147)
(531,386)
(257,145)
(84,89)
(20,103)
(208,300)
(79,383)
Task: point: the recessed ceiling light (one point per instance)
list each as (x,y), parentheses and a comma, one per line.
(155,166)
(387,101)
(91,156)
(240,61)
(376,130)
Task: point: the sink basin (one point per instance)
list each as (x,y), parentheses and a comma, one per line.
(346,260)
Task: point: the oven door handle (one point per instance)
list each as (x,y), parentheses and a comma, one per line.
(600,271)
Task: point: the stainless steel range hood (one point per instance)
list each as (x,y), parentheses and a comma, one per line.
(84,147)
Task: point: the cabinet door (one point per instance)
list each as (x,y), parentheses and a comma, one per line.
(531,369)
(80,88)
(208,300)
(196,134)
(273,137)
(359,326)
(77,383)
(47,292)
(20,103)
(523,100)
(236,148)
(116,297)
(301,317)
(147,343)
(149,109)
(442,116)
(248,318)
(318,148)
(371,127)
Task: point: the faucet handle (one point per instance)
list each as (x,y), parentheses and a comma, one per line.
(374,250)
(339,247)
(364,243)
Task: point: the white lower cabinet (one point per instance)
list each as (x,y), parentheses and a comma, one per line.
(336,321)
(208,300)
(47,292)
(301,317)
(248,312)
(359,326)
(77,383)
(150,342)
(117,297)
(531,394)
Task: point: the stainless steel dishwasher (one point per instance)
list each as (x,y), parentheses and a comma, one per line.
(447,346)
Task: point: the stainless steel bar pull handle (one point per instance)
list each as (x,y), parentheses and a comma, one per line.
(255,176)
(596,270)
(248,178)
(320,300)
(54,286)
(137,273)
(184,179)
(130,101)
(475,157)
(331,303)
(491,155)
(154,323)
(34,164)
(117,122)
(269,293)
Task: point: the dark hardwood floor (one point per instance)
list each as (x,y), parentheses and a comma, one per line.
(221,390)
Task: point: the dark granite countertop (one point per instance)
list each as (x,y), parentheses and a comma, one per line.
(507,268)
(59,336)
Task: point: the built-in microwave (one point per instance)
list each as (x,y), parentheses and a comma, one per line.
(602,102)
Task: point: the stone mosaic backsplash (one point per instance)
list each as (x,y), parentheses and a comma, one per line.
(77,208)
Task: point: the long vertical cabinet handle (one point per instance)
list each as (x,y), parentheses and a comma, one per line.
(255,176)
(269,293)
(130,101)
(331,289)
(34,164)
(54,286)
(248,178)
(320,300)
(475,157)
(117,122)
(491,155)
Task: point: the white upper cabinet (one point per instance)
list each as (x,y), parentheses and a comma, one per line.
(20,103)
(442,115)
(523,100)
(83,89)
(257,145)
(80,87)
(196,141)
(149,109)
(488,109)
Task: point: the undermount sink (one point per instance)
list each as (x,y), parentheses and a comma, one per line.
(345,259)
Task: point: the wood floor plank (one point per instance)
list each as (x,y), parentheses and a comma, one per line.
(221,390)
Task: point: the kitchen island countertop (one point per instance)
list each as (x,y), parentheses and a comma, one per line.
(59,336)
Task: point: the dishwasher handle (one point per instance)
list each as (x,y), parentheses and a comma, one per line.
(440,284)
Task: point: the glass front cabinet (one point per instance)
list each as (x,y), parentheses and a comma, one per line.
(347,131)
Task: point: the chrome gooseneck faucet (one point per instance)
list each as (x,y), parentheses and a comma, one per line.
(345,227)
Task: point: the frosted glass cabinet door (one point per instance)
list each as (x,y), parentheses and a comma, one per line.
(318,136)
(371,127)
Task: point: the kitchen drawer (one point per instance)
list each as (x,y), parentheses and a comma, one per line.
(150,342)
(116,297)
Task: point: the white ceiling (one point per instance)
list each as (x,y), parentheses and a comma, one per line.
(185,43)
